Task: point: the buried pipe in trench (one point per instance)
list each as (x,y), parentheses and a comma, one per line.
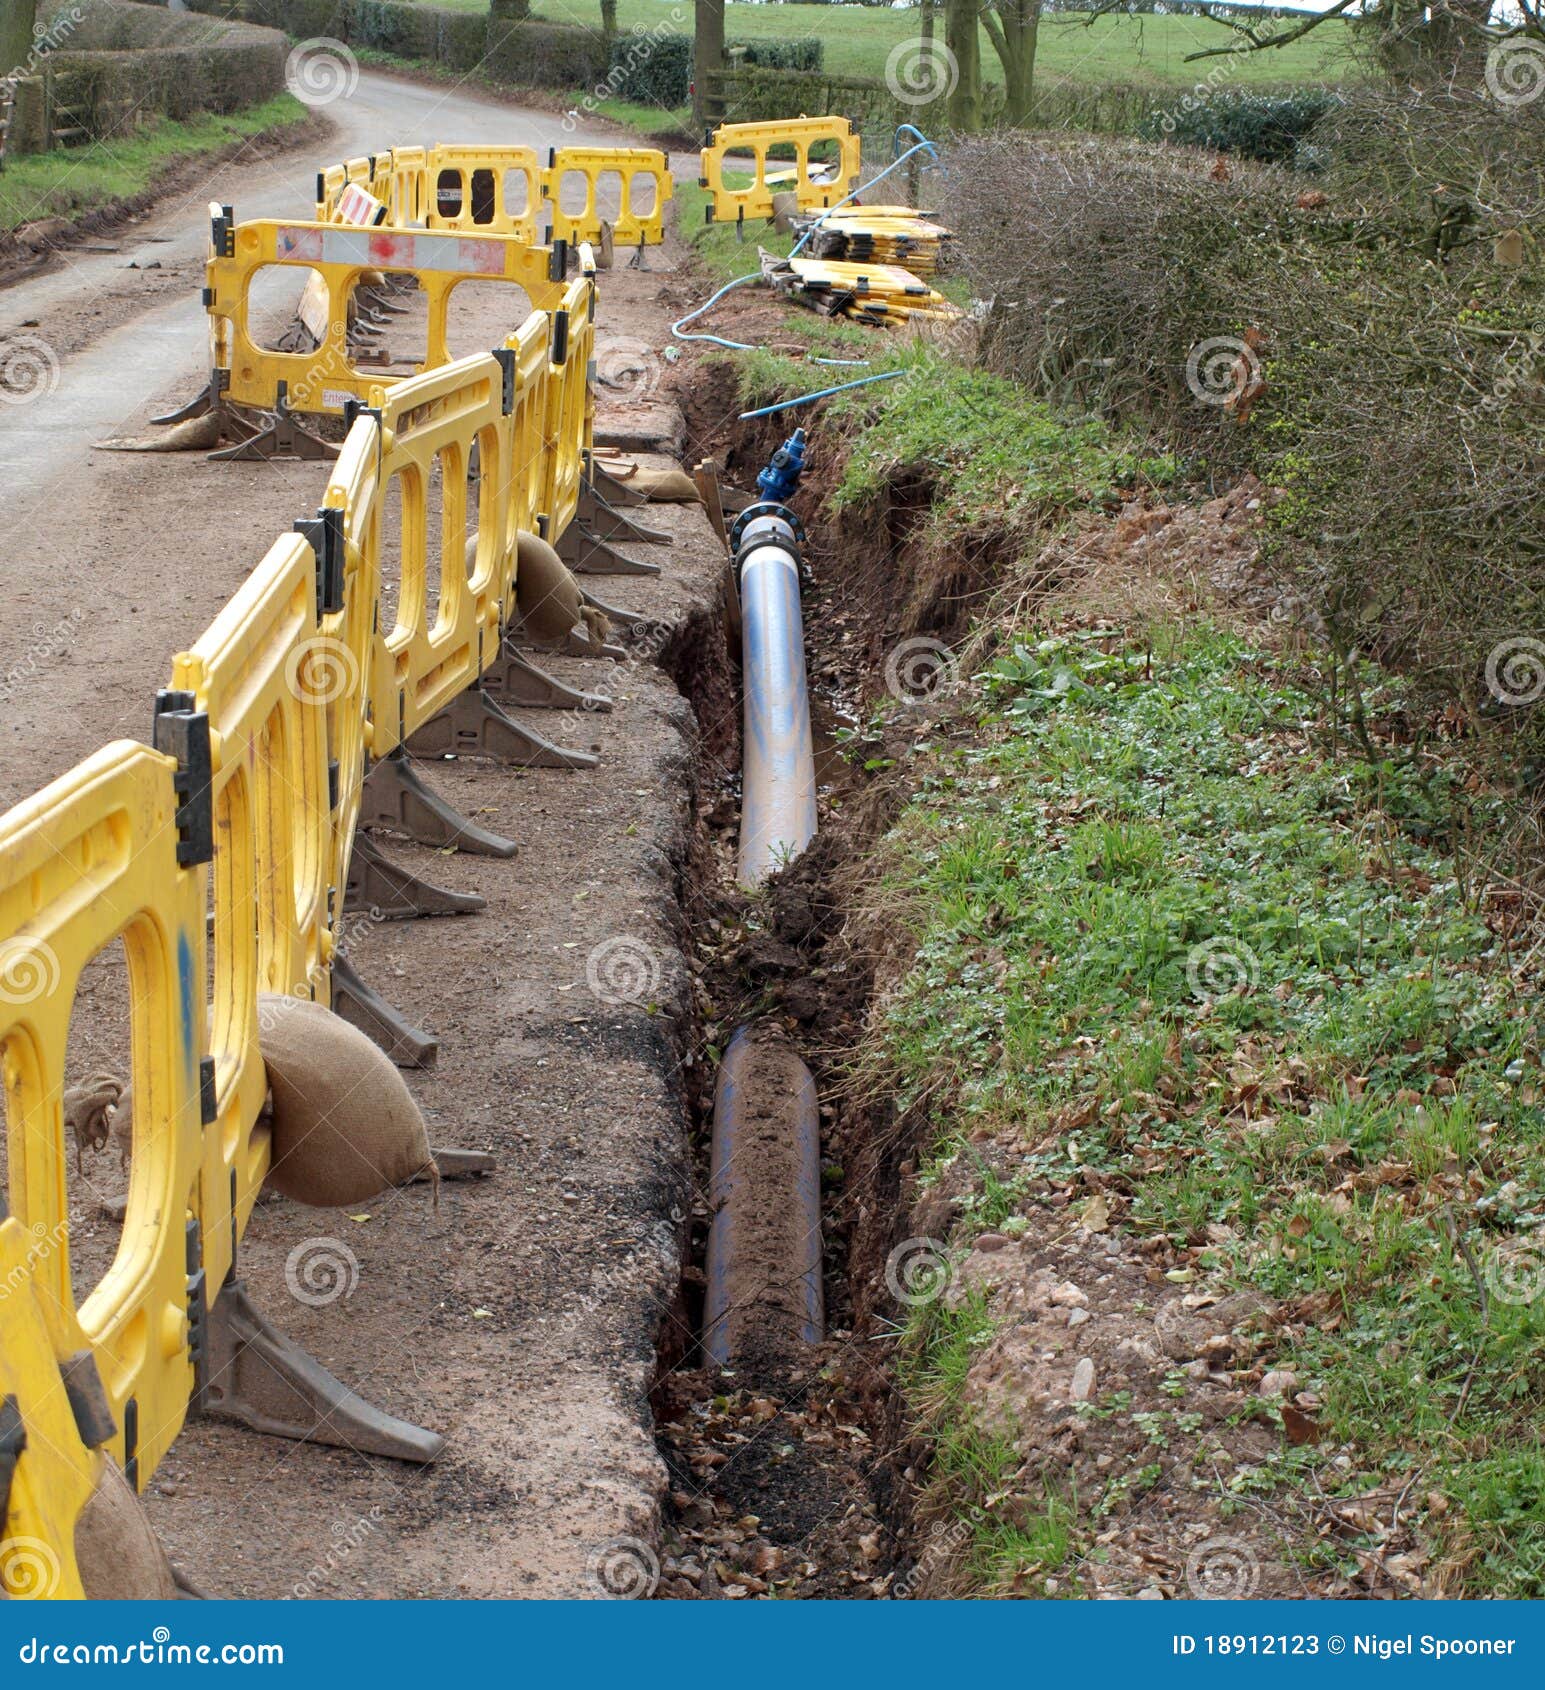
(764,1300)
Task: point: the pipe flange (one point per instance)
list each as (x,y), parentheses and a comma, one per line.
(765,507)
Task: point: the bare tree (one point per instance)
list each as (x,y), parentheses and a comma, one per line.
(707,52)
(1014,27)
(16,20)
(960,37)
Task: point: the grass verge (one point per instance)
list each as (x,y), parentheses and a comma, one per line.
(1178,956)
(73,180)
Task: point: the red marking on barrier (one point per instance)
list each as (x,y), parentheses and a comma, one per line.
(387,250)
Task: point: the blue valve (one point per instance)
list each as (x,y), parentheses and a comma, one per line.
(778,481)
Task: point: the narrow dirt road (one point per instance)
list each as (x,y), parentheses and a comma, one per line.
(119,323)
(519,1316)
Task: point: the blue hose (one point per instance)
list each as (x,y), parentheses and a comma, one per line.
(922,145)
(825,393)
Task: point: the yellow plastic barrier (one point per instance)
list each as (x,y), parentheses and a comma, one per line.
(265,674)
(802,134)
(98,856)
(570,408)
(592,165)
(502,189)
(497,188)
(323,380)
(51,1486)
(428,653)
(247,808)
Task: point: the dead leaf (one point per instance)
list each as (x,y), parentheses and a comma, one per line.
(1299,1427)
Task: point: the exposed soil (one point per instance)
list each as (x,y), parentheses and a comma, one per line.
(809,1481)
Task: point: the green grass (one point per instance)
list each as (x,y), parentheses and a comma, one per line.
(77,179)
(987,448)
(1153,903)
(1113,49)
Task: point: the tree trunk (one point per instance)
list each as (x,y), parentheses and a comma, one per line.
(26,126)
(608,17)
(16,20)
(960,36)
(707,55)
(1019,84)
(509,11)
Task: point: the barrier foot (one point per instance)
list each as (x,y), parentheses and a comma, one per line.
(376,300)
(586,555)
(516,680)
(472,725)
(612,612)
(607,486)
(200,405)
(392,893)
(604,523)
(262,1379)
(395,797)
(460,1164)
(636,262)
(281,437)
(363,1007)
(578,642)
(210,403)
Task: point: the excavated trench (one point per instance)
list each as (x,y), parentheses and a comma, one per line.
(791,1469)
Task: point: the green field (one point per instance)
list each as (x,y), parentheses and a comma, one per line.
(1113,49)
